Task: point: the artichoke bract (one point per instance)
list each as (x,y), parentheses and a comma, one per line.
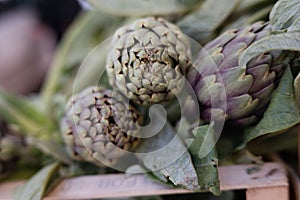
(248,88)
(99,127)
(147,60)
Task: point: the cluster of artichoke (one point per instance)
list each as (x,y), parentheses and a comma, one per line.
(149,62)
(232,69)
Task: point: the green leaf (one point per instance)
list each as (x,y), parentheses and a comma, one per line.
(247,5)
(144,7)
(52,148)
(35,188)
(283,41)
(247,13)
(282,113)
(37,128)
(92,70)
(18,110)
(166,155)
(206,167)
(203,22)
(275,142)
(297,89)
(295,26)
(284,13)
(87,31)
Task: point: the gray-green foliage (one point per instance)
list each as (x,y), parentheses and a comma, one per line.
(167,156)
(282,113)
(86,33)
(284,13)
(36,187)
(144,7)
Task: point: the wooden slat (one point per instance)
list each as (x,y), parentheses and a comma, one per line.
(272,193)
(109,186)
(271,175)
(294,179)
(236,177)
(6,189)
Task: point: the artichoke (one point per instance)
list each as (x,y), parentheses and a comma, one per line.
(10,145)
(147,60)
(3,128)
(98,127)
(248,88)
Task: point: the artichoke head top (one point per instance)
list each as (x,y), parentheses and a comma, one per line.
(99,127)
(147,60)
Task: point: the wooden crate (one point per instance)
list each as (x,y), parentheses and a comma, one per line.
(270,182)
(292,173)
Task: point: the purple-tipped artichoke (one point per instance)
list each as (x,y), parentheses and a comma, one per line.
(148,59)
(248,88)
(98,126)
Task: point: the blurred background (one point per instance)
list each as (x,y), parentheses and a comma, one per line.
(30,30)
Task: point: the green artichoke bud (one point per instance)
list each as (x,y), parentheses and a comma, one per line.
(98,127)
(248,88)
(10,145)
(3,128)
(148,60)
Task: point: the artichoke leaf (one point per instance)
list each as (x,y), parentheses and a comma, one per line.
(35,188)
(86,32)
(32,123)
(283,41)
(248,5)
(245,19)
(282,113)
(92,70)
(204,22)
(284,14)
(165,154)
(297,89)
(60,67)
(144,7)
(52,148)
(206,167)
(21,112)
(295,26)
